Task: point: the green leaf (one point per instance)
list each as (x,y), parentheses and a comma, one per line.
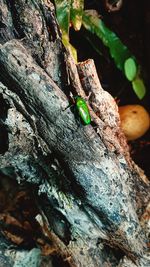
(63,9)
(123,58)
(77,7)
(63,14)
(130,69)
(139,87)
(72,50)
(118,51)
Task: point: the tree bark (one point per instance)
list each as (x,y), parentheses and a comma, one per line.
(90,194)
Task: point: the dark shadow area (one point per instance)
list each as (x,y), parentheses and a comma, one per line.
(4,143)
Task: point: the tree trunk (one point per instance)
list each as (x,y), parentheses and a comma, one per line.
(89,199)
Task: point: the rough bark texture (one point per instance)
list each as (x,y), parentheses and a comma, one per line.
(90,194)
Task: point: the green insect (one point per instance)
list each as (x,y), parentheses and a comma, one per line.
(83,110)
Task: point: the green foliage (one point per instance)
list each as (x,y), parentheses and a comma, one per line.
(71,13)
(118,51)
(121,55)
(139,87)
(130,68)
(63,14)
(77,7)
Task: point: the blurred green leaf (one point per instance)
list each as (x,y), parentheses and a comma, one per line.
(118,51)
(63,14)
(139,87)
(130,69)
(77,7)
(72,50)
(123,58)
(63,9)
(71,12)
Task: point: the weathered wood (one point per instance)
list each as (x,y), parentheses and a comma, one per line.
(95,192)
(80,148)
(110,131)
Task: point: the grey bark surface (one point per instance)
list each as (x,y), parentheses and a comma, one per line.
(95,193)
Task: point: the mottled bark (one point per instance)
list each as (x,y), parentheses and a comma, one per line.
(94,194)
